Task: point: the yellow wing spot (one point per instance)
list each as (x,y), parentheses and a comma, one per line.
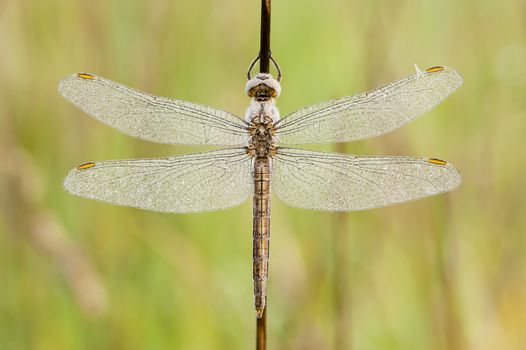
(85,76)
(86,166)
(434,69)
(437,161)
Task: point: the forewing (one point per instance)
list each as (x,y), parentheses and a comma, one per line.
(152,118)
(372,113)
(190,183)
(339,182)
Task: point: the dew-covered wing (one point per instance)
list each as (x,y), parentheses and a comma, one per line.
(152,118)
(372,113)
(339,182)
(190,183)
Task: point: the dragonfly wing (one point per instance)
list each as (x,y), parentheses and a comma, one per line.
(372,113)
(152,118)
(190,183)
(339,182)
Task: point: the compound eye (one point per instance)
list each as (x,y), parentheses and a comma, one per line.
(274,93)
(252,91)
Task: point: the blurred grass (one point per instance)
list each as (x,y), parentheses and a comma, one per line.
(442,273)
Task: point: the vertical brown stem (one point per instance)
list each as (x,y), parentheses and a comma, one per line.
(261,331)
(264,63)
(264,49)
(342,290)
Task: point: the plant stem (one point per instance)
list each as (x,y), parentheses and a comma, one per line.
(264,63)
(261,331)
(264,48)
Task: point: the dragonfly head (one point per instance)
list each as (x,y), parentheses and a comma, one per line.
(263,87)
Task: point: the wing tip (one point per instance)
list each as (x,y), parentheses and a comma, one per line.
(61,85)
(64,82)
(459,80)
(67,182)
(456,77)
(453,174)
(457,178)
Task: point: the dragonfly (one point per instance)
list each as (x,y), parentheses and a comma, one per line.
(256,152)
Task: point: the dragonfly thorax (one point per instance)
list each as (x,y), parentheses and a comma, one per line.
(261,143)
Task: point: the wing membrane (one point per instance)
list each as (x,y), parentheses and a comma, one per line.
(190,183)
(338,182)
(152,118)
(370,114)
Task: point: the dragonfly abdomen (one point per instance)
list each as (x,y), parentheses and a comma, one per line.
(261,232)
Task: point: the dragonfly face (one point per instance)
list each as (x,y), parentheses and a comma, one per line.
(262,93)
(263,87)
(252,157)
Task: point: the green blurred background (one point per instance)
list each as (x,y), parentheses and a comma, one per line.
(448,272)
